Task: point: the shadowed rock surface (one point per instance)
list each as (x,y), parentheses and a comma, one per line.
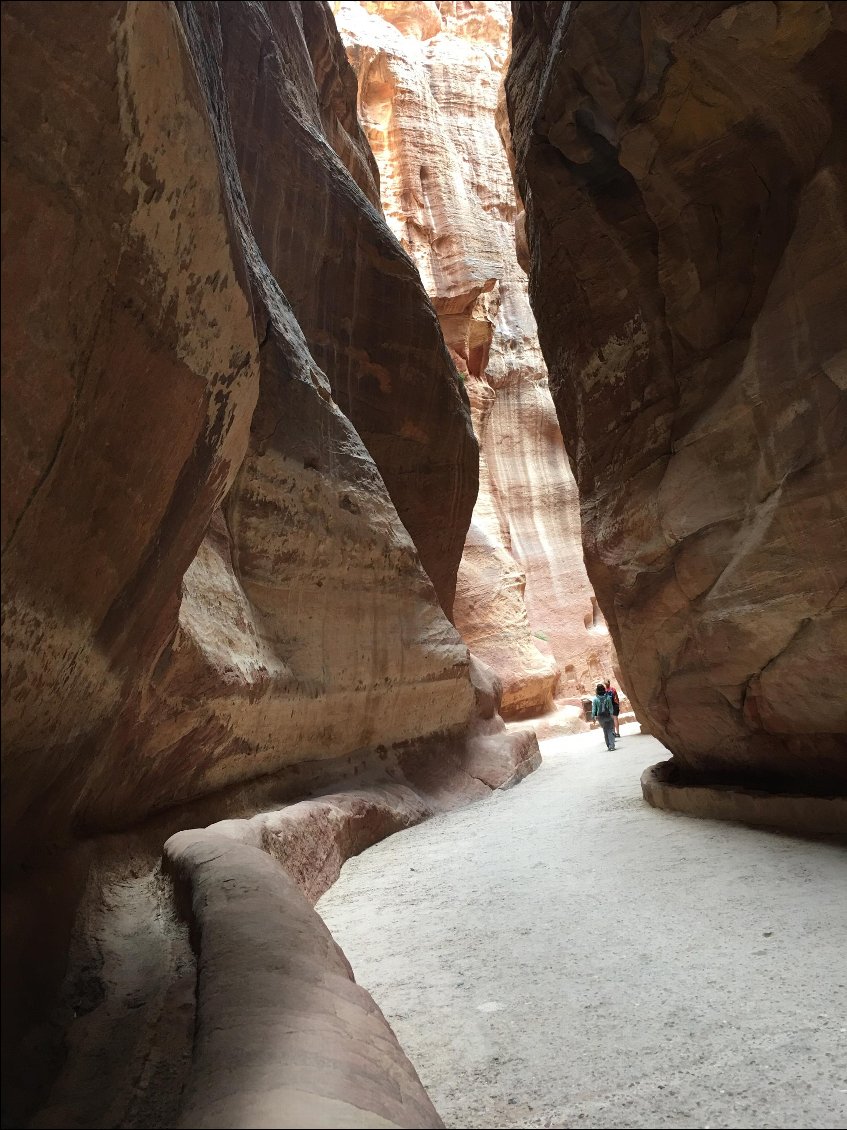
(284,1034)
(682,166)
(357,296)
(114,610)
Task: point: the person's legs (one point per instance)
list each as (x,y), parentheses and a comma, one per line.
(609,732)
(617,722)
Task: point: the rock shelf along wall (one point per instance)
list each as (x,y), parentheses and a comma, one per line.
(430,80)
(683,170)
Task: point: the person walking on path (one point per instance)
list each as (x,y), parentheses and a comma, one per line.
(601,711)
(616,707)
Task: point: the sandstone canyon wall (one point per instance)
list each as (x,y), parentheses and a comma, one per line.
(429,80)
(238,462)
(201,587)
(682,166)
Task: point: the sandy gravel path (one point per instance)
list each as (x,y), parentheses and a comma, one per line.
(563,955)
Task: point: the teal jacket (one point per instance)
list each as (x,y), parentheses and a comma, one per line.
(595,706)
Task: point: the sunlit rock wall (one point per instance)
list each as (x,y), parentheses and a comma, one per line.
(429,80)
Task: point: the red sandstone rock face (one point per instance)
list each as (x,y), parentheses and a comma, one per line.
(682,170)
(429,79)
(130,374)
(204,576)
(356,296)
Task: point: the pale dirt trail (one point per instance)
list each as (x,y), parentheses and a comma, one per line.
(564,955)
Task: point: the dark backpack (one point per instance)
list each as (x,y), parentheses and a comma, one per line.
(604,710)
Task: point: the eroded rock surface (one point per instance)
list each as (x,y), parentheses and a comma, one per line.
(328,1058)
(356,295)
(682,168)
(212,533)
(222,380)
(130,375)
(429,80)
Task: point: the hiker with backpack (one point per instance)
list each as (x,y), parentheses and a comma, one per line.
(602,710)
(616,706)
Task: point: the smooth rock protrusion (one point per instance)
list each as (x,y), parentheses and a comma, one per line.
(284,1036)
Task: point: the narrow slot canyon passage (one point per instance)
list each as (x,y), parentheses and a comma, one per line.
(431,101)
(397,398)
(564,956)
